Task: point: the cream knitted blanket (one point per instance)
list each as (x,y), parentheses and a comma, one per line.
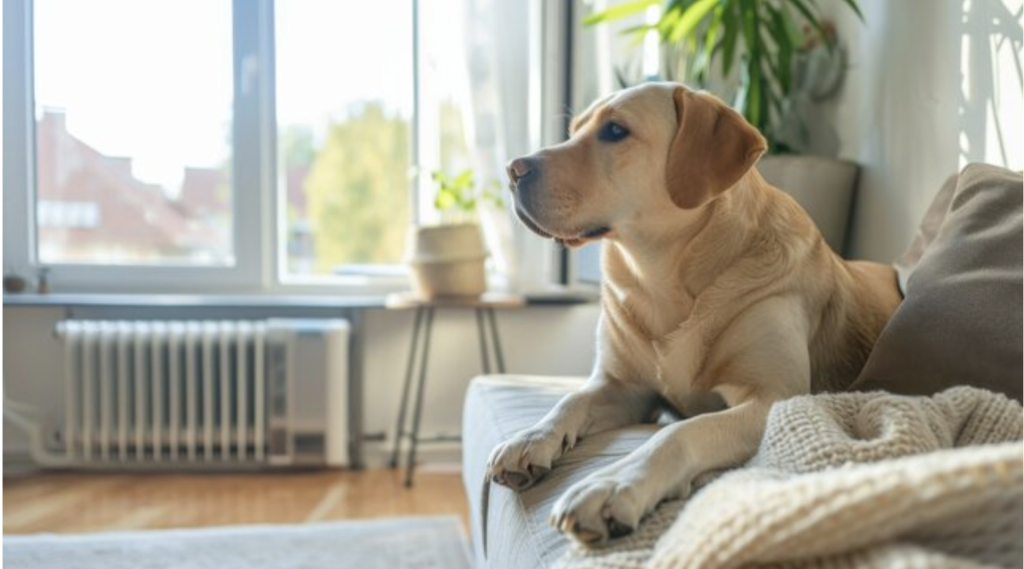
(852,480)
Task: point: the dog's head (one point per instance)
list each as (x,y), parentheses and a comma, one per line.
(632,156)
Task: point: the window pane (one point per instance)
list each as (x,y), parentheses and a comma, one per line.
(444,101)
(344,109)
(133,131)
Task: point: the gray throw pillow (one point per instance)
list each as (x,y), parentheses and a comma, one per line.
(926,232)
(961,320)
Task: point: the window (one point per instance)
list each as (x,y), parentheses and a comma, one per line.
(133,140)
(444,93)
(345,97)
(244,145)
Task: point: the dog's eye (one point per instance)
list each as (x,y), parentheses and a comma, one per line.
(612,132)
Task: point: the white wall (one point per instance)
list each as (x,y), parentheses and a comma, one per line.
(545,341)
(536,340)
(932,85)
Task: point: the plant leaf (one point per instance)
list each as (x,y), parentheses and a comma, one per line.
(729,43)
(463,181)
(618,12)
(689,20)
(669,18)
(796,35)
(812,19)
(755,96)
(711,35)
(621,78)
(443,200)
(783,64)
(704,51)
(748,27)
(856,9)
(640,30)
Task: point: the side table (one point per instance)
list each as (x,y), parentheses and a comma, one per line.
(423,323)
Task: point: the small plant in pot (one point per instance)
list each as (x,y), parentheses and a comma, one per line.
(787,58)
(448,259)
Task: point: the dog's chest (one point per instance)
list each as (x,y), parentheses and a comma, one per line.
(647,333)
(670,379)
(657,328)
(659,317)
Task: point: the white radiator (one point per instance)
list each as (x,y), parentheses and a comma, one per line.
(203,393)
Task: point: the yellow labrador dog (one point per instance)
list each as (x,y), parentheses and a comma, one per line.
(720,298)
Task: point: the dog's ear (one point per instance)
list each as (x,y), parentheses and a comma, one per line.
(713,148)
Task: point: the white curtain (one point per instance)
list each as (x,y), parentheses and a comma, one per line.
(497,47)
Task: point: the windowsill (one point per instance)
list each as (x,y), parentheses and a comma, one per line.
(194,300)
(555,297)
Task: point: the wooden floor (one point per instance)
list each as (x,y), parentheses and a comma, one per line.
(112,502)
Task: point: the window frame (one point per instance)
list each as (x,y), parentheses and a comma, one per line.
(249,145)
(257,224)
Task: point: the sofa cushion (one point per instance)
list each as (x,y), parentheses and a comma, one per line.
(926,232)
(960,323)
(515,525)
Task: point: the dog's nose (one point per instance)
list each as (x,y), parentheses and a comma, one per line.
(519,170)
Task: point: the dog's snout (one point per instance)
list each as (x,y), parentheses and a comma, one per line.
(520,170)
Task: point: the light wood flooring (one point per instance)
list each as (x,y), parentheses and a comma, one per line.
(117,502)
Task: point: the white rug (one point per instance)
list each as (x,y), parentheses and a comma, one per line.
(421,543)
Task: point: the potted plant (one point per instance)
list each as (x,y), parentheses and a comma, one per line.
(448,259)
(788,58)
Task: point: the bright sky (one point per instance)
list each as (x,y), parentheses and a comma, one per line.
(331,54)
(153,79)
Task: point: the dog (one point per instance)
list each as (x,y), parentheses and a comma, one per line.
(719,298)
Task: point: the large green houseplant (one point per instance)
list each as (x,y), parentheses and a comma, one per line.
(785,57)
(764,40)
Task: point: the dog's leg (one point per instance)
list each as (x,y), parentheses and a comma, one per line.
(765,359)
(611,501)
(601,405)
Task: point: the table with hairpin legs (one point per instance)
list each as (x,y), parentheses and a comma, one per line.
(416,367)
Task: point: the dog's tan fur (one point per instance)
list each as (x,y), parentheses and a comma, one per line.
(720,297)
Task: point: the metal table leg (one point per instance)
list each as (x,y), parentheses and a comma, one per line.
(355,388)
(481,334)
(498,355)
(418,411)
(403,408)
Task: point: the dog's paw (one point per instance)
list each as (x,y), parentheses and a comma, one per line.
(524,459)
(600,508)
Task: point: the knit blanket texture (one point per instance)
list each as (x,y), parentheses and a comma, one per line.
(851,480)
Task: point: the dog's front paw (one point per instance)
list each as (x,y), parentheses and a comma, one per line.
(525,458)
(599,508)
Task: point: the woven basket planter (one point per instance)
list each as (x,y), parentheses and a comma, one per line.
(447,260)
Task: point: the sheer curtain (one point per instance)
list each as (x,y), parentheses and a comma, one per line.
(478,108)
(497,36)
